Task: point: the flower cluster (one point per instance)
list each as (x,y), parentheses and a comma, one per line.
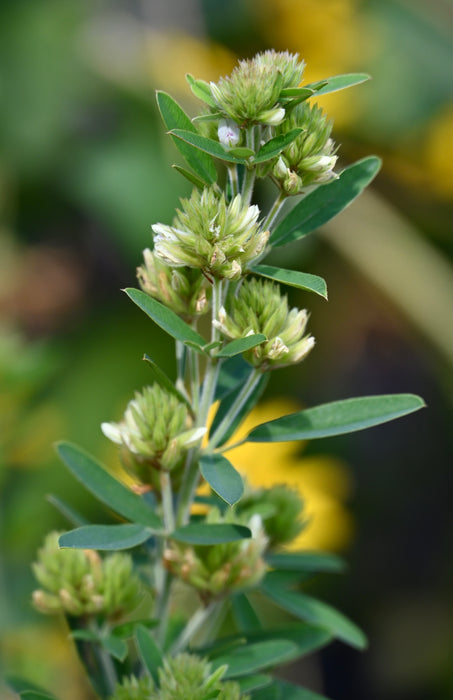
(181,677)
(155,433)
(78,582)
(310,158)
(182,289)
(217,570)
(251,94)
(211,234)
(259,307)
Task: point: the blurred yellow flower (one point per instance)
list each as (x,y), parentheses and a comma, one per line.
(323,482)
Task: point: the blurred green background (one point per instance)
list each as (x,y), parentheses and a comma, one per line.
(85,170)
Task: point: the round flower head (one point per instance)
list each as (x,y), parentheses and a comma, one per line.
(217,570)
(181,289)
(251,93)
(310,158)
(78,582)
(155,433)
(212,235)
(259,307)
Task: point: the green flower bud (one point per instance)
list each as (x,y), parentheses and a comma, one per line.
(181,289)
(280,508)
(212,235)
(78,582)
(155,433)
(217,570)
(259,307)
(250,95)
(182,677)
(136,689)
(310,158)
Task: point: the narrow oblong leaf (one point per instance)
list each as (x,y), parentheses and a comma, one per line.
(193,179)
(294,278)
(165,318)
(165,382)
(301,92)
(105,537)
(222,477)
(233,373)
(36,695)
(306,561)
(275,146)
(210,533)
(206,145)
(245,616)
(174,117)
(338,82)
(68,512)
(105,487)
(240,345)
(201,89)
(150,653)
(318,613)
(227,403)
(326,201)
(115,646)
(241,152)
(249,683)
(288,691)
(250,658)
(337,418)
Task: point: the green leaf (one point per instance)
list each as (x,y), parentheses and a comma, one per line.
(302,93)
(226,404)
(165,382)
(270,692)
(126,630)
(115,646)
(306,562)
(68,512)
(326,201)
(150,653)
(275,146)
(308,638)
(210,533)
(338,82)
(240,345)
(165,318)
(336,418)
(245,616)
(241,152)
(106,488)
(105,537)
(233,373)
(249,683)
(34,695)
(201,89)
(288,691)
(193,179)
(222,477)
(207,145)
(301,280)
(174,117)
(311,610)
(248,659)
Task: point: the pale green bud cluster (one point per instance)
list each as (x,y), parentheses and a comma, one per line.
(78,582)
(182,677)
(155,433)
(210,234)
(250,95)
(281,509)
(310,158)
(217,570)
(259,307)
(181,289)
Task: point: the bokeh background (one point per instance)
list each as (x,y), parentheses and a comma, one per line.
(85,170)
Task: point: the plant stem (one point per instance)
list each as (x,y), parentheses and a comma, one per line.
(236,406)
(250,172)
(180,350)
(233,178)
(273,211)
(167,501)
(194,379)
(198,619)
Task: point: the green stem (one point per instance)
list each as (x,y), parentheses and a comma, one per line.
(194,379)
(236,406)
(250,172)
(167,501)
(180,367)
(233,178)
(274,210)
(196,622)
(162,606)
